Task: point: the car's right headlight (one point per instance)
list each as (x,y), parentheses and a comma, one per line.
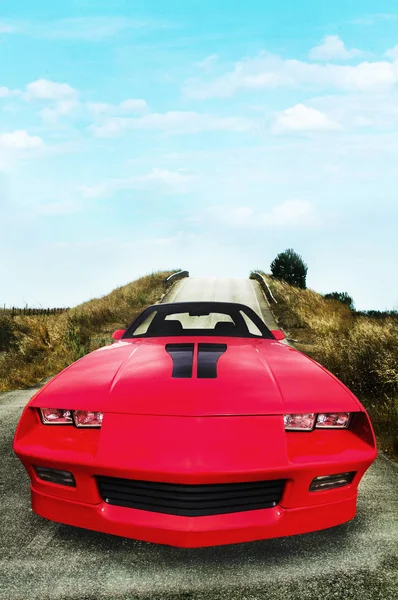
(63,416)
(307,421)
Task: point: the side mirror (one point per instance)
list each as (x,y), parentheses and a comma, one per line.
(118,334)
(278,334)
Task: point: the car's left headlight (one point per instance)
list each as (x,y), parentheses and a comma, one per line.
(338,420)
(299,422)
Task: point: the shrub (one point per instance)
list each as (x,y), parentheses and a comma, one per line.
(342,297)
(290,267)
(7,336)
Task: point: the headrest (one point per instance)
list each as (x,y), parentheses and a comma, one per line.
(225,328)
(171,328)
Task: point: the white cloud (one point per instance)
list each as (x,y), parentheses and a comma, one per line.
(379,110)
(162,180)
(332,48)
(62,97)
(173,122)
(110,128)
(131,105)
(98,108)
(5,92)
(267,71)
(292,213)
(303,118)
(20,140)
(208,63)
(44,89)
(134,105)
(60,109)
(289,214)
(393,52)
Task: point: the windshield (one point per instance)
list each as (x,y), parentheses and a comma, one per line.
(198,318)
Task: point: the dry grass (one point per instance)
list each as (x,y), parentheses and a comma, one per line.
(361,351)
(35,347)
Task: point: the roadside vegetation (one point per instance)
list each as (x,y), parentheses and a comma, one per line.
(33,347)
(360,350)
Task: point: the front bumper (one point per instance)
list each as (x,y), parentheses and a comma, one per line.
(194,532)
(195,451)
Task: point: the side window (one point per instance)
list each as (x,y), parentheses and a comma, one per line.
(252,327)
(143,328)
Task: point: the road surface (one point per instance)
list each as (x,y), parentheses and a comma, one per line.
(246,291)
(44,560)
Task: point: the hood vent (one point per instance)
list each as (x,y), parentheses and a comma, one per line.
(182,356)
(208,355)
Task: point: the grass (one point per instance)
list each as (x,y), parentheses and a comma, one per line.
(362,351)
(33,348)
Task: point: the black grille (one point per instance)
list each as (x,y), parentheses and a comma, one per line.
(191,500)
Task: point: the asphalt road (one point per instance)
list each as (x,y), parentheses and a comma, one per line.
(246,291)
(44,560)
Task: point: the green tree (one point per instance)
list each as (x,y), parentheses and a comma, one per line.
(341,297)
(290,267)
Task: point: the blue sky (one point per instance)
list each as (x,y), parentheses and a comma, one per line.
(138,136)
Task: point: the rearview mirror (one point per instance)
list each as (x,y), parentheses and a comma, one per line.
(118,334)
(278,334)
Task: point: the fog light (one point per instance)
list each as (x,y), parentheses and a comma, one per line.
(327,482)
(55,476)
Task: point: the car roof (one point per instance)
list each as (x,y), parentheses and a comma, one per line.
(207,306)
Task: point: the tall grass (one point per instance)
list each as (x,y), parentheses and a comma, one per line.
(35,347)
(362,351)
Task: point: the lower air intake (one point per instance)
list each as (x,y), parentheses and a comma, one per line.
(56,476)
(328,482)
(191,500)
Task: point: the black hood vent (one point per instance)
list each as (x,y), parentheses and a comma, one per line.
(208,355)
(182,355)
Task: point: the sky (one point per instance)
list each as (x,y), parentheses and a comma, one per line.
(138,136)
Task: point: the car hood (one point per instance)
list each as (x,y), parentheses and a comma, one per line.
(254,377)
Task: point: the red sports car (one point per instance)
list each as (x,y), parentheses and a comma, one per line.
(196,428)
